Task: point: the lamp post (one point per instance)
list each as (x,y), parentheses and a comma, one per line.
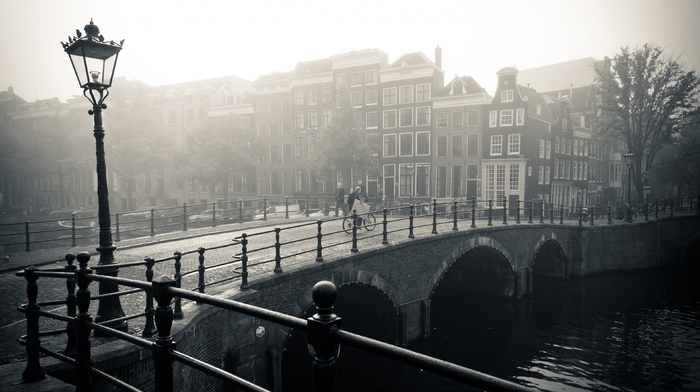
(94,61)
(628,161)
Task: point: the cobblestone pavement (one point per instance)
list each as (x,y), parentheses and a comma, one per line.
(298,236)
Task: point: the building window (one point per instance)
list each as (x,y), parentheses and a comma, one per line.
(457,147)
(500,184)
(472,118)
(371,120)
(423,92)
(325,95)
(371,77)
(496,144)
(575,147)
(341,80)
(299,120)
(556,168)
(356,79)
(538,109)
(441,146)
(548,150)
(390,145)
(358,119)
(286,105)
(556,144)
(546,175)
(313,96)
(406,94)
(406,117)
(422,143)
(371,97)
(286,153)
(389,119)
(389,96)
(520,117)
(490,181)
(506,117)
(493,118)
(274,154)
(405,144)
(541,149)
(514,183)
(457,119)
(262,129)
(299,97)
(274,129)
(326,115)
(575,170)
(442,120)
(540,175)
(313,119)
(356,98)
(286,129)
(473,144)
(423,115)
(507,96)
(514,144)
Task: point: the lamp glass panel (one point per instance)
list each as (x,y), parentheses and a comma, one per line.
(79,67)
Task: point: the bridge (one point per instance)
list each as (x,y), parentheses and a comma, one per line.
(393,271)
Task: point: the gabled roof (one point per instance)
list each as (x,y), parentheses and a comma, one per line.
(411,59)
(535,99)
(275,76)
(464,85)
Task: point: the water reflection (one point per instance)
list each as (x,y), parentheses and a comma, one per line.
(636,331)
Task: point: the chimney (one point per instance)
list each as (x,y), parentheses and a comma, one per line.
(11,90)
(438,56)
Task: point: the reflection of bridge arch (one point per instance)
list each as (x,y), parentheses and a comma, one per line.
(367,308)
(549,258)
(484,266)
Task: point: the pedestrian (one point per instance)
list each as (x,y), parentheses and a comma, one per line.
(340,200)
(352,196)
(362,195)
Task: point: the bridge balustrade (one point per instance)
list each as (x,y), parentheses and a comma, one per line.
(323,333)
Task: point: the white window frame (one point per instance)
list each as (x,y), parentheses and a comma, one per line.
(428,91)
(493,118)
(520,116)
(368,101)
(392,113)
(514,144)
(439,124)
(496,145)
(396,144)
(427,122)
(505,114)
(408,97)
(416,143)
(376,120)
(507,95)
(395,95)
(401,110)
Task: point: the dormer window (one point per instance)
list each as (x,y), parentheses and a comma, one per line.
(507,96)
(538,109)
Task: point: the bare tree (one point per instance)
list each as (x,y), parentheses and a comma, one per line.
(645,98)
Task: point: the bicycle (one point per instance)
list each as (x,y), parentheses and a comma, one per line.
(621,213)
(366,221)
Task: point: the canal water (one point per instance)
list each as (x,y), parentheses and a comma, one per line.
(624,332)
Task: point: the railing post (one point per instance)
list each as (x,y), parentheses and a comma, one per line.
(240,210)
(286,207)
(72,225)
(385,240)
(163,361)
(410,221)
(213,214)
(149,329)
(592,212)
(200,270)
(33,370)
(184,216)
(454,215)
(517,211)
(434,217)
(551,213)
(153,228)
(244,262)
(354,231)
(656,208)
(83,322)
(307,206)
(580,215)
(323,367)
(319,245)
(646,207)
(532,207)
(26,236)
(609,214)
(264,207)
(325,206)
(490,207)
(116,216)
(278,257)
(541,210)
(505,210)
(71,308)
(561,214)
(473,211)
(178,283)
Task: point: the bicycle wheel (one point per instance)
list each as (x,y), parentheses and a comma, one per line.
(370,222)
(633,216)
(347,224)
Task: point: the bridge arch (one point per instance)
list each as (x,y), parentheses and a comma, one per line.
(549,258)
(482,265)
(376,317)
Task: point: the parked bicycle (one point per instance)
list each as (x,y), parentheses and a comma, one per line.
(621,213)
(363,218)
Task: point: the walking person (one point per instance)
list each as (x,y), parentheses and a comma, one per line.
(340,200)
(362,195)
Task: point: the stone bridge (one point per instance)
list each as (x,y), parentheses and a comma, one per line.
(385,292)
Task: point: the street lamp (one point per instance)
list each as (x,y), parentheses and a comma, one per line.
(94,61)
(628,161)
